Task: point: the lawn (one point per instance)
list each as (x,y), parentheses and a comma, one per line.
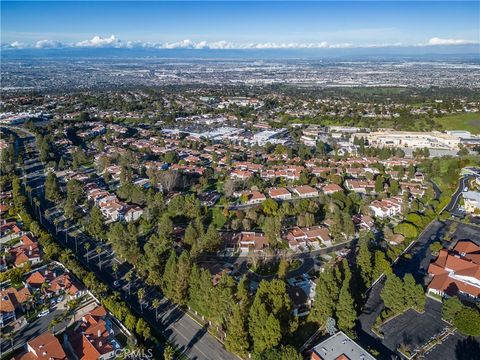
(463,121)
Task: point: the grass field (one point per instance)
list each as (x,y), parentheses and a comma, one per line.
(464,121)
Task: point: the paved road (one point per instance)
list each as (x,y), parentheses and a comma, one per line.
(417,265)
(190,337)
(453,204)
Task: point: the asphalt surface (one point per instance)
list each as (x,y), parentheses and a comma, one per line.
(191,338)
(417,265)
(453,204)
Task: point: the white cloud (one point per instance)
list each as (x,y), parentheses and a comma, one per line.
(98,41)
(14,45)
(48,44)
(114,42)
(438,41)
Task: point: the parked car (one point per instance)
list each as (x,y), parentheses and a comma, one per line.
(44,313)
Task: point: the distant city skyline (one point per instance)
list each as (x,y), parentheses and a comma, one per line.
(239,25)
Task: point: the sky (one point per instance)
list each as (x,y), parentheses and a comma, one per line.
(244,25)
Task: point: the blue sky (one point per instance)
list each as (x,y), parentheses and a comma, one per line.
(239,24)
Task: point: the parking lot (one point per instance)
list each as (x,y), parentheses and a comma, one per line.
(456,346)
(414,329)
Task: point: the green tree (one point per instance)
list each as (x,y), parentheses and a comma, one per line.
(270,207)
(52,189)
(381,266)
(211,240)
(237,333)
(326,296)
(450,308)
(272,227)
(379,181)
(467,321)
(95,226)
(406,229)
(264,327)
(390,294)
(346,313)
(168,352)
(169,279)
(413,293)
(364,261)
(182,276)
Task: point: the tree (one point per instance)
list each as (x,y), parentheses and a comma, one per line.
(169,278)
(270,207)
(326,296)
(141,296)
(229,188)
(264,328)
(413,294)
(168,352)
(282,268)
(237,334)
(191,235)
(390,294)
(364,262)
(467,321)
(282,353)
(143,329)
(183,273)
(156,304)
(272,227)
(406,229)
(52,189)
(379,180)
(382,266)
(96,223)
(450,308)
(346,313)
(211,240)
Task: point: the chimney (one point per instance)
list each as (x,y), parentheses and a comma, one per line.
(99,333)
(100,344)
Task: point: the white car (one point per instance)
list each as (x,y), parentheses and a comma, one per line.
(44,313)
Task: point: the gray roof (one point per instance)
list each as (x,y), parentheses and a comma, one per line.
(340,344)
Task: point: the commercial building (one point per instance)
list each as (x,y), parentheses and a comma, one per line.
(339,347)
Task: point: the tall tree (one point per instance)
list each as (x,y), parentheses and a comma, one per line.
(326,296)
(182,276)
(364,261)
(346,313)
(237,333)
(52,189)
(264,327)
(390,294)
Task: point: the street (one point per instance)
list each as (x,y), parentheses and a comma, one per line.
(191,338)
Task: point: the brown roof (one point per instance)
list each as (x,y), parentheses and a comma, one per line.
(46,347)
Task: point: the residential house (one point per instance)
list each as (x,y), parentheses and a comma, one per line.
(360,186)
(253,197)
(305,191)
(27,252)
(279,193)
(311,236)
(387,207)
(92,337)
(331,189)
(44,347)
(250,241)
(12,301)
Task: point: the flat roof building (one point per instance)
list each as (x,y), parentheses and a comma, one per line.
(339,346)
